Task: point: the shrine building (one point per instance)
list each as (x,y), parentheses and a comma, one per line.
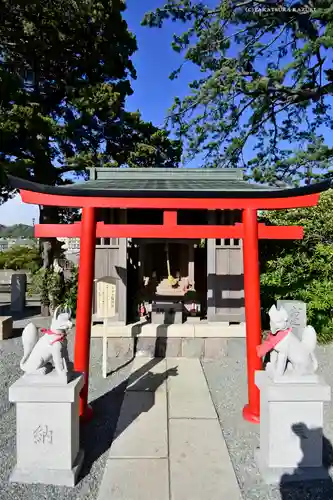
(204,281)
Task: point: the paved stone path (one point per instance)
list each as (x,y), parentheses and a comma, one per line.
(168,443)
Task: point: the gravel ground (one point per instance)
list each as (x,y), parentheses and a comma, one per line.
(106,398)
(227,381)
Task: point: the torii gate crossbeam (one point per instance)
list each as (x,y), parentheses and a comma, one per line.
(249,231)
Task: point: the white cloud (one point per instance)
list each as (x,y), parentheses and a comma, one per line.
(15,211)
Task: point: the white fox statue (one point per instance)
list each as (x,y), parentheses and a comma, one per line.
(40,353)
(288,353)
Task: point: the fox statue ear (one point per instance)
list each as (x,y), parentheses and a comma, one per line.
(278,315)
(56,313)
(68,311)
(272,312)
(283,313)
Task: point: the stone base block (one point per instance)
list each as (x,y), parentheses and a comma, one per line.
(193,320)
(291,428)
(167,318)
(51,378)
(218,329)
(189,329)
(193,348)
(6,327)
(284,475)
(119,347)
(215,348)
(166,313)
(56,477)
(162,346)
(47,430)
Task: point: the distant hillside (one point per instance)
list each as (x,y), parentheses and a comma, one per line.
(16,231)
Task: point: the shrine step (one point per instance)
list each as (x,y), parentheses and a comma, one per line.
(185,330)
(200,348)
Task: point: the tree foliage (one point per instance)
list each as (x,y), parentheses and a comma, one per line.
(20,257)
(265,82)
(16,231)
(60,290)
(65,74)
(302,270)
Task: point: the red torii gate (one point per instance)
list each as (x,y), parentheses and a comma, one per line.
(249,230)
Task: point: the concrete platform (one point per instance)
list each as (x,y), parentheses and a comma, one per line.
(189,340)
(168,443)
(185,330)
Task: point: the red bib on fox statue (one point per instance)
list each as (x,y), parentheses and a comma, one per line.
(271,341)
(60,337)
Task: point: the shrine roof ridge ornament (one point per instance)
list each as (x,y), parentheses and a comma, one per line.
(150,173)
(171,186)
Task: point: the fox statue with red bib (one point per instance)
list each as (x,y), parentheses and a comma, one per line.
(289,355)
(48,352)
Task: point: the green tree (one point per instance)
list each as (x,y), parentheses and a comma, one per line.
(65,74)
(302,270)
(16,231)
(20,257)
(265,83)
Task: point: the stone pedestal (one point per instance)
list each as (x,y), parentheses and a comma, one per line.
(6,327)
(167,313)
(18,291)
(291,428)
(47,433)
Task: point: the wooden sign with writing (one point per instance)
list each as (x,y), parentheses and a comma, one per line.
(106,291)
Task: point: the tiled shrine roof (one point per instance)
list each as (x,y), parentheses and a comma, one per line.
(169,183)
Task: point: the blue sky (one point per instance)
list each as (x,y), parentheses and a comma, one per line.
(154,61)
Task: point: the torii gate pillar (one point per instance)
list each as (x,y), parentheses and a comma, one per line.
(84,301)
(251,411)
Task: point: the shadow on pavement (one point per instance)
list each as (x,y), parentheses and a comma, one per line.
(159,348)
(97,435)
(291,488)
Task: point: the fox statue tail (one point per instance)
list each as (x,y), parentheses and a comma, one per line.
(309,340)
(29,340)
